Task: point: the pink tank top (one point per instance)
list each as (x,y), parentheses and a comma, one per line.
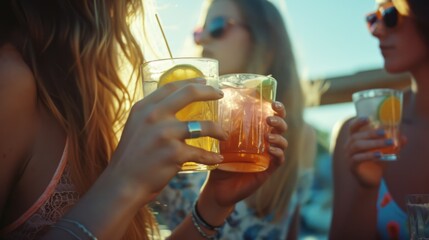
(54,202)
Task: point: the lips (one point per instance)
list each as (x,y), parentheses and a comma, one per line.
(386,47)
(206,53)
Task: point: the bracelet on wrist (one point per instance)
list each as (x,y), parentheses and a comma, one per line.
(201,231)
(201,221)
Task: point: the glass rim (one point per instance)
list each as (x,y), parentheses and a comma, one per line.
(416,198)
(246,74)
(206,59)
(375,92)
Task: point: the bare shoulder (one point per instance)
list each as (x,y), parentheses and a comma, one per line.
(15,75)
(18,117)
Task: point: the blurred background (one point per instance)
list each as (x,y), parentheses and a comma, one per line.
(336,55)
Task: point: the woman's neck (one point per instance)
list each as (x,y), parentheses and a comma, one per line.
(420,88)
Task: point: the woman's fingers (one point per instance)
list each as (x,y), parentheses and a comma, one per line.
(171,87)
(368,145)
(278,123)
(278,141)
(366,140)
(174,129)
(368,134)
(366,156)
(186,95)
(357,124)
(279,108)
(198,155)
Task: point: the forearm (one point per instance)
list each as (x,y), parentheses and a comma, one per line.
(358,219)
(106,210)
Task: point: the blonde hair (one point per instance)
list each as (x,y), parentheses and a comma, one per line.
(271,53)
(75,49)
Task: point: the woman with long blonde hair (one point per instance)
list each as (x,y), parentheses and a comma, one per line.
(250,36)
(64,173)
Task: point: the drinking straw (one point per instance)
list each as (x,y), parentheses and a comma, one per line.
(163,35)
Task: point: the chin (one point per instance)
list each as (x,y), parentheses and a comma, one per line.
(392,67)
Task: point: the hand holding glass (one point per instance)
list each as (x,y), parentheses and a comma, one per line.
(160,72)
(383,108)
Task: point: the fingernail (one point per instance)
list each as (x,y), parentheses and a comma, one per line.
(272,149)
(380,132)
(273,120)
(271,137)
(220,92)
(219,158)
(377,154)
(201,80)
(388,142)
(277,105)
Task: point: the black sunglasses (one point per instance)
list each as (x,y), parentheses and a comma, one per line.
(390,17)
(216,28)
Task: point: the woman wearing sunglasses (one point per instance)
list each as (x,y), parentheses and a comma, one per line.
(249,36)
(369,195)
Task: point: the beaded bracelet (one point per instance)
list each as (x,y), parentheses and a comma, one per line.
(201,220)
(202,233)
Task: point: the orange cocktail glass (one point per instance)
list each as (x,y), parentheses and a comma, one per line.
(242,113)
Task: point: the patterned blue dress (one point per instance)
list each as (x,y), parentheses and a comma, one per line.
(177,199)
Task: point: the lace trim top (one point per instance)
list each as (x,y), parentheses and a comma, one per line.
(54,202)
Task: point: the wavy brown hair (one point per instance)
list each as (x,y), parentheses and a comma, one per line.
(75,49)
(420,12)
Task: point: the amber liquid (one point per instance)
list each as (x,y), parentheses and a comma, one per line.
(200,111)
(243,115)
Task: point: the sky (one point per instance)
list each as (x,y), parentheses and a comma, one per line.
(330,37)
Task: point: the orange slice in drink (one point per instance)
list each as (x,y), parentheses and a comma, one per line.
(179,72)
(389,111)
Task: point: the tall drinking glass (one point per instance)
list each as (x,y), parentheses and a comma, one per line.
(383,107)
(160,72)
(242,113)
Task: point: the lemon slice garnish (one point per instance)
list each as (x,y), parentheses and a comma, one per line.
(389,111)
(196,110)
(178,73)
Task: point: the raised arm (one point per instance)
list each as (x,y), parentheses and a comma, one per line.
(224,189)
(354,207)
